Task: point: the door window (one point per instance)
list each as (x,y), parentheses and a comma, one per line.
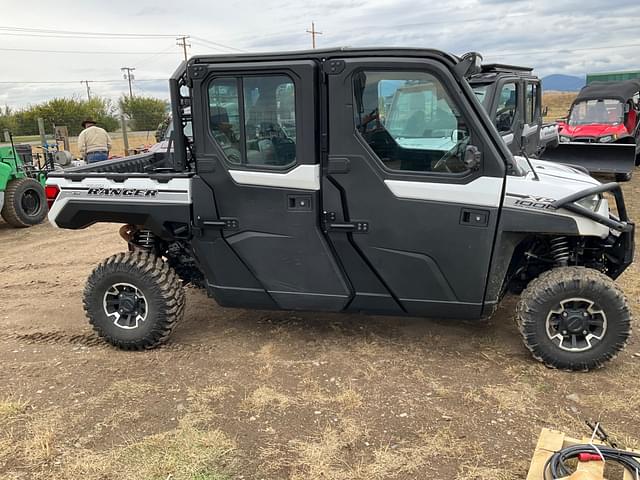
(532,104)
(263,132)
(224,117)
(410,122)
(506,109)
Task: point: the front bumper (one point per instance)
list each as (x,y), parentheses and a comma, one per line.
(619,245)
(620,255)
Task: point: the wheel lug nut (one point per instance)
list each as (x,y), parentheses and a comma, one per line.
(585,314)
(564,332)
(564,314)
(584,332)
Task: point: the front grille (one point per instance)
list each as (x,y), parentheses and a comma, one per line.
(584,139)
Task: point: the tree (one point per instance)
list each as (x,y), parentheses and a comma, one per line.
(146,113)
(65,111)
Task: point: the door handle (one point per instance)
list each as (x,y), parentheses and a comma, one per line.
(474,218)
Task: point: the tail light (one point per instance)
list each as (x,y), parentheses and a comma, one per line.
(51,192)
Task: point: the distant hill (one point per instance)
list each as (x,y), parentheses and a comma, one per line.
(562,83)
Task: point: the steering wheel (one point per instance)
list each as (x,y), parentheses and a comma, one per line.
(442,165)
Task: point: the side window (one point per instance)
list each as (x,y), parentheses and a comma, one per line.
(532,104)
(409,121)
(261,132)
(506,109)
(270,119)
(224,117)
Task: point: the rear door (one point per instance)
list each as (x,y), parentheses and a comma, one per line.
(258,183)
(398,193)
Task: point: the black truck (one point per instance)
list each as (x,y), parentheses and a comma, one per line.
(303,186)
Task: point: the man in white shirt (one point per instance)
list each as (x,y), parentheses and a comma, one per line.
(94,142)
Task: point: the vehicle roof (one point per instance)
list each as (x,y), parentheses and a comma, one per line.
(622,91)
(492,72)
(321,54)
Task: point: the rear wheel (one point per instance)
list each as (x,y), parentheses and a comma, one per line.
(25,203)
(134,300)
(574,318)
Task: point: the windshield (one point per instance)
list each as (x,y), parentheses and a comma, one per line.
(596,111)
(481,92)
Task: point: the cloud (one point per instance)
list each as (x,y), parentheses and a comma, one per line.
(569,37)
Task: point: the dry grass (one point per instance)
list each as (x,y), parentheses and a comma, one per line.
(521,397)
(470,472)
(266,398)
(185,453)
(330,455)
(10,408)
(558,103)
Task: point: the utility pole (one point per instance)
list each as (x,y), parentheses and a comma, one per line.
(87,82)
(313,33)
(129,76)
(182,42)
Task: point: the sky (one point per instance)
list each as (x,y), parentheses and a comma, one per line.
(553,36)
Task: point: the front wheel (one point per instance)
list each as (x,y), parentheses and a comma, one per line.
(134,300)
(574,318)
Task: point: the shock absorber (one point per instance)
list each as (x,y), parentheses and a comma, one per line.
(559,247)
(144,239)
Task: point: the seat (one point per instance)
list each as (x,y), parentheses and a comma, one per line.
(416,124)
(632,121)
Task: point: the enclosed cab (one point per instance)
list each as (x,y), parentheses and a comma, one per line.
(512,96)
(351,180)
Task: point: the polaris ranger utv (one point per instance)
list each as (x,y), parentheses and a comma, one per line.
(512,96)
(602,130)
(293,192)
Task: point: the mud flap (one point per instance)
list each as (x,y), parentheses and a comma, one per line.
(595,157)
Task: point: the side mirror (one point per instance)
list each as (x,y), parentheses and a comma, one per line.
(545,110)
(472,158)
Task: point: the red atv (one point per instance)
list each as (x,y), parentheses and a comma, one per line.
(602,132)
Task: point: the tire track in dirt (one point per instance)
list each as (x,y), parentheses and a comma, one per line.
(55,337)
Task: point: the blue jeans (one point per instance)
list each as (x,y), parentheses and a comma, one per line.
(93,157)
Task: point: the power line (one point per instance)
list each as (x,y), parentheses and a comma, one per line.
(216,44)
(72,33)
(55,82)
(91,52)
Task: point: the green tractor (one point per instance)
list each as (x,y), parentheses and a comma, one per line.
(23,202)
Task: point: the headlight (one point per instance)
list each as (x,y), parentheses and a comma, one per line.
(565,139)
(605,139)
(590,203)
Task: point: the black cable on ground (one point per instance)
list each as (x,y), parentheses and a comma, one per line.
(557,468)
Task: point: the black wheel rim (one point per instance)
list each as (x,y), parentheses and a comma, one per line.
(576,325)
(125,305)
(30,203)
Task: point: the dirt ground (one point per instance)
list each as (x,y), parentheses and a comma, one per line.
(240,394)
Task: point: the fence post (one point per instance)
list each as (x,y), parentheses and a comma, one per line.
(125,138)
(43,138)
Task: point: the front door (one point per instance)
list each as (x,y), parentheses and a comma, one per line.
(257,186)
(398,192)
(506,114)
